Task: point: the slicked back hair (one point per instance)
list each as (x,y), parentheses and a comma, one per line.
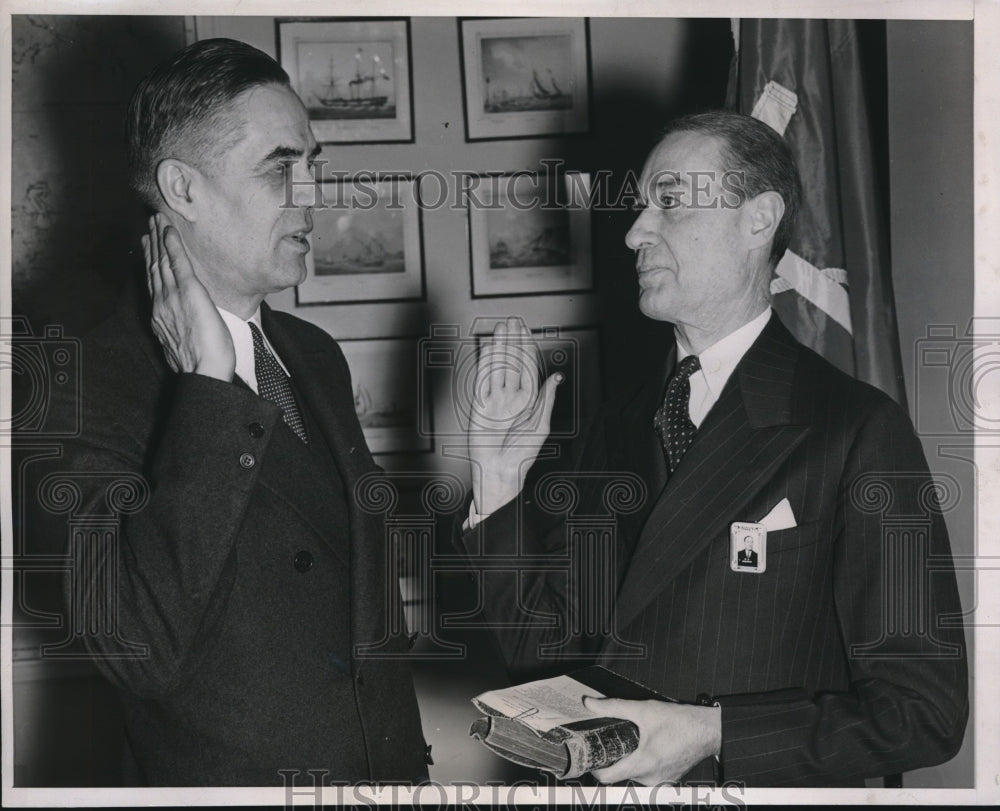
(760,155)
(179,109)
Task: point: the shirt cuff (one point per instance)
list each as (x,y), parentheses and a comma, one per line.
(474,519)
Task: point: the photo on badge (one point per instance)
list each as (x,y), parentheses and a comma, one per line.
(747,548)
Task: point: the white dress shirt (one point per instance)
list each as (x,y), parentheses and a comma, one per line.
(243,344)
(717,364)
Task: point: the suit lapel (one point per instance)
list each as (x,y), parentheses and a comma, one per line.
(633,445)
(327,393)
(741,443)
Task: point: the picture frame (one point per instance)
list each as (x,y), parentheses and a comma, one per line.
(366,243)
(530,234)
(449,367)
(525,78)
(388,400)
(353,75)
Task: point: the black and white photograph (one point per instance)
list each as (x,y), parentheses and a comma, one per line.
(353,76)
(749,548)
(365,244)
(530,234)
(525,78)
(384,380)
(355,367)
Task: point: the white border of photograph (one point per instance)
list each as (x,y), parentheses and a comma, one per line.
(576,275)
(483,125)
(350,287)
(293,33)
(382,369)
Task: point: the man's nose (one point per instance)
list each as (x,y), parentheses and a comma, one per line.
(641,233)
(305,188)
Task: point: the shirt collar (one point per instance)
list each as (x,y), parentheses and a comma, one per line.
(235,323)
(720,359)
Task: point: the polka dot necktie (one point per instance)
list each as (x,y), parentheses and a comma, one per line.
(273,385)
(673,420)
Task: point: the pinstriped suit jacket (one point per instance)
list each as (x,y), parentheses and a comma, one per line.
(845,659)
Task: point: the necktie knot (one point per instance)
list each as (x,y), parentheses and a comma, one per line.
(273,383)
(687,367)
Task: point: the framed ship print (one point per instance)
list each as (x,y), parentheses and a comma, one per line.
(387,397)
(530,234)
(525,78)
(352,75)
(365,244)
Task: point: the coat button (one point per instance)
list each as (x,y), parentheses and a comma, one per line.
(256,430)
(303,561)
(360,679)
(247,460)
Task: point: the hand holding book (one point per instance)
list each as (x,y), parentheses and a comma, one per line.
(566,726)
(673,738)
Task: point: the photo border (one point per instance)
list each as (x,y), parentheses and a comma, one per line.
(401,129)
(412,231)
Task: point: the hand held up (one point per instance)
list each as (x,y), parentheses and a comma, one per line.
(192,333)
(509,415)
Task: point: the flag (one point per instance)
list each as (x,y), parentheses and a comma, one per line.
(833,287)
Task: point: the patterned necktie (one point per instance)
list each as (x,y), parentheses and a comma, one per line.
(673,420)
(273,385)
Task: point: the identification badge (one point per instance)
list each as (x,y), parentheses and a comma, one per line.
(747,547)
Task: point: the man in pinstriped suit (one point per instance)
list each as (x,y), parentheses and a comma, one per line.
(797,672)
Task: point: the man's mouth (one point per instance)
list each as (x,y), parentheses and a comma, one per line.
(646,271)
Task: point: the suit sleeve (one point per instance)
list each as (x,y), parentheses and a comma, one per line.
(531,609)
(163,581)
(899,613)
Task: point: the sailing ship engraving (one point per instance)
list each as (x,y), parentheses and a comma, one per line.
(357,86)
(523,74)
(361,87)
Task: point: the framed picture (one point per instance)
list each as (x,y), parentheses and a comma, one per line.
(387,397)
(353,76)
(530,234)
(366,244)
(449,366)
(525,78)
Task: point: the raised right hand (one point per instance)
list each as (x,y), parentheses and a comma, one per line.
(510,414)
(192,333)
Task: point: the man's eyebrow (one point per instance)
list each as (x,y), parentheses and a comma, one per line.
(280,153)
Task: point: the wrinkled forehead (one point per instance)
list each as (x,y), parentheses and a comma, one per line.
(681,157)
(269,112)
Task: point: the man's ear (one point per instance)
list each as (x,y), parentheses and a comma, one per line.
(175,180)
(765,212)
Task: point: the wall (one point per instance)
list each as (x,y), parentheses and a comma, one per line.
(931,183)
(74,222)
